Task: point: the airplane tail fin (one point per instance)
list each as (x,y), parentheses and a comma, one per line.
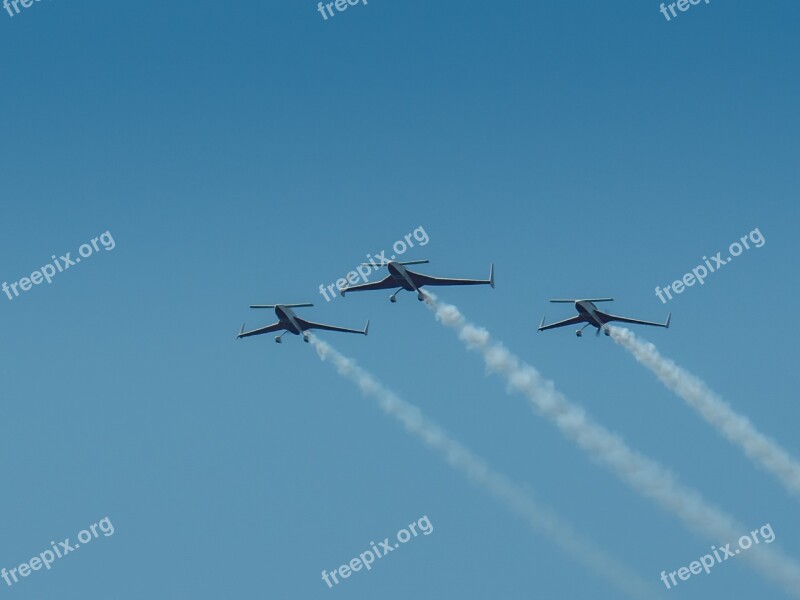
(491,276)
(669,318)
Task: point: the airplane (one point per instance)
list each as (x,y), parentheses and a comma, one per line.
(591,315)
(406,279)
(292,323)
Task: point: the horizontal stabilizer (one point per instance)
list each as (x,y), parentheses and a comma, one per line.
(407,262)
(286,305)
(582,300)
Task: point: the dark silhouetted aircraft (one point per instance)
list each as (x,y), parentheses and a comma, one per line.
(406,279)
(591,315)
(292,323)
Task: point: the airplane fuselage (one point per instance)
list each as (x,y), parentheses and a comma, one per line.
(401,277)
(588,311)
(288,319)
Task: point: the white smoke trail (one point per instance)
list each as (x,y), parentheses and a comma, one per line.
(737,428)
(541,519)
(640,472)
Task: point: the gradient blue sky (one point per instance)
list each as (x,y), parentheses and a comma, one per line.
(247,152)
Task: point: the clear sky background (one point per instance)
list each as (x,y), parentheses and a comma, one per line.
(248,152)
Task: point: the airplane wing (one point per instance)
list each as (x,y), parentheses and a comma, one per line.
(310,325)
(268,329)
(564,323)
(419,280)
(607,317)
(384,284)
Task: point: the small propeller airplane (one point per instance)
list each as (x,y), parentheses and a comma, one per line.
(591,315)
(406,279)
(292,323)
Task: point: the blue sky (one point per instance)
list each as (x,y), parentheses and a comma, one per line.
(247,153)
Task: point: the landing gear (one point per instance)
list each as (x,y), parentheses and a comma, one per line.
(305,337)
(393,297)
(579,332)
(278,337)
